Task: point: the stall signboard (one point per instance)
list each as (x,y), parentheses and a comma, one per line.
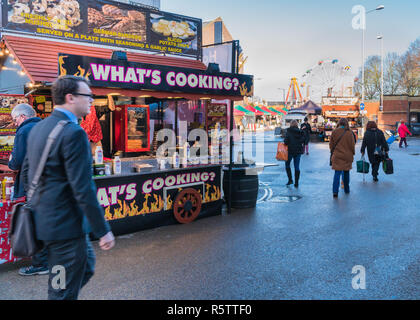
(7,126)
(150,195)
(105,22)
(140,76)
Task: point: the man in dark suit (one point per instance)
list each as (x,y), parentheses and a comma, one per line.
(66,194)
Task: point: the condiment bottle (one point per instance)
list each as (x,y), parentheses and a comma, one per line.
(99,155)
(116,165)
(8,188)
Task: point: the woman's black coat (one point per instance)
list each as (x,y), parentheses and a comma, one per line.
(295,139)
(371,139)
(306,128)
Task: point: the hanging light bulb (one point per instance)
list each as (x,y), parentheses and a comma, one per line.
(14,62)
(22,73)
(7,51)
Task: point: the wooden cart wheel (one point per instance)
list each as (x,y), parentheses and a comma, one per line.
(187,205)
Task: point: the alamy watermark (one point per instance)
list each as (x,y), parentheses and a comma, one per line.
(58,282)
(358,282)
(359,20)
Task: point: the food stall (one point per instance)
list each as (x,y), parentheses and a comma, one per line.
(138,96)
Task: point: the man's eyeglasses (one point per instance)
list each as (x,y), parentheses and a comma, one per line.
(84,95)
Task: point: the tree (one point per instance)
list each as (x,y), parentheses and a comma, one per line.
(409,69)
(392,77)
(372,79)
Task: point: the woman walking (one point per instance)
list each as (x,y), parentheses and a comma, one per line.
(295,138)
(342,146)
(306,128)
(374,141)
(403,131)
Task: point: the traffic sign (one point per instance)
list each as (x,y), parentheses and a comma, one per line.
(362,106)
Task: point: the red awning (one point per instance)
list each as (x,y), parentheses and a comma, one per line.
(39,59)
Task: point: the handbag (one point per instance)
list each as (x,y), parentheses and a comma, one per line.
(22,235)
(388,166)
(282,152)
(362,166)
(333,149)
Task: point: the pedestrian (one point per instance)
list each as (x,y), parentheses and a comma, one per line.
(306,128)
(376,145)
(295,138)
(403,131)
(65,201)
(342,147)
(24,117)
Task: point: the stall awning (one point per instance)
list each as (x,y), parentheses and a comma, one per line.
(275,111)
(39,60)
(258,108)
(255,111)
(282,110)
(266,110)
(243,110)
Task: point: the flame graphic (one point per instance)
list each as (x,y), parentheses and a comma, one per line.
(244,90)
(125,209)
(212,194)
(63,70)
(82,73)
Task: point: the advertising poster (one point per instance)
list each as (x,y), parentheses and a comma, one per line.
(106,23)
(7,127)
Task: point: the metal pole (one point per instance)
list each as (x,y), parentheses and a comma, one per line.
(230,158)
(363,72)
(382,73)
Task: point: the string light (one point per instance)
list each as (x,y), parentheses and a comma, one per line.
(7,51)
(22,73)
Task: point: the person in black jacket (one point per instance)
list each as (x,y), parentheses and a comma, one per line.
(374,141)
(24,117)
(295,139)
(65,201)
(306,128)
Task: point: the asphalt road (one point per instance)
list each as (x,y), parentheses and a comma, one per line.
(297,244)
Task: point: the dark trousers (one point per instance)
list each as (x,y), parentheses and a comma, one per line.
(403,140)
(375,168)
(296,161)
(77,258)
(41,259)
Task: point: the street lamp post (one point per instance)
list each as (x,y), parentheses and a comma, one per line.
(380,7)
(284,93)
(381,105)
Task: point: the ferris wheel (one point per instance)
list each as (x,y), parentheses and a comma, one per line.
(328,78)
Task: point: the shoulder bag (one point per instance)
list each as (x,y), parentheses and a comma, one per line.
(22,233)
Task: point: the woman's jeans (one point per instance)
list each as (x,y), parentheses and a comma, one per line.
(296,162)
(346,180)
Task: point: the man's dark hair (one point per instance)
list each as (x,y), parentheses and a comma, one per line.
(65,85)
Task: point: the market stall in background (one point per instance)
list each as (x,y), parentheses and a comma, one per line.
(146,176)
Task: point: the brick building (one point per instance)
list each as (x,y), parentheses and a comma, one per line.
(400,107)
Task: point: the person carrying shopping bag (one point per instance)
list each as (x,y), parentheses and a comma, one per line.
(295,139)
(342,147)
(376,145)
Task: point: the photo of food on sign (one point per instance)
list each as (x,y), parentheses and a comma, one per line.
(53,14)
(7,103)
(183,30)
(110,21)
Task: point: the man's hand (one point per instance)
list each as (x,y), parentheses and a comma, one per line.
(107,241)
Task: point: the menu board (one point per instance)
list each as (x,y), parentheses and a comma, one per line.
(105,22)
(7,127)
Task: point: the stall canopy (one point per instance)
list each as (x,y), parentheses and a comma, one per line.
(39,60)
(260,108)
(274,110)
(242,110)
(310,107)
(268,110)
(255,111)
(282,110)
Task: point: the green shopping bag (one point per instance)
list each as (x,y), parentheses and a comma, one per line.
(362,166)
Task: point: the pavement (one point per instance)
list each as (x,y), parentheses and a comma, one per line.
(296,244)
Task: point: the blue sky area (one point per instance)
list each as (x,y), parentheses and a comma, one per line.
(285,38)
